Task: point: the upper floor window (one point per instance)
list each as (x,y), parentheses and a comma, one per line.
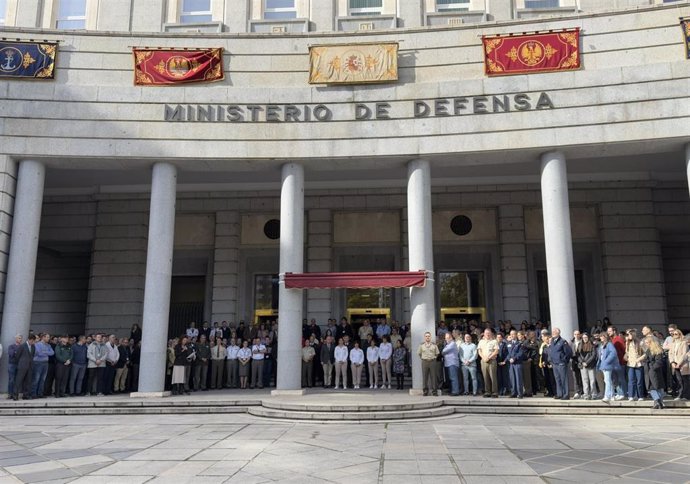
(366,7)
(542,3)
(452,5)
(279,9)
(194,11)
(71,14)
(3,11)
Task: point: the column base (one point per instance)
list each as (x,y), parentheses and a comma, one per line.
(149,394)
(416,393)
(288,393)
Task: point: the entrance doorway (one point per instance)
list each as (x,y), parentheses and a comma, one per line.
(543,294)
(462,296)
(373,304)
(265,298)
(187,296)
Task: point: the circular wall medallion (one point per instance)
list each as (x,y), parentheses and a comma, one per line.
(272,229)
(461,225)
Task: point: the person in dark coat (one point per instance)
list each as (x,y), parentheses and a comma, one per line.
(503,366)
(25,362)
(560,354)
(516,355)
(654,370)
(135,334)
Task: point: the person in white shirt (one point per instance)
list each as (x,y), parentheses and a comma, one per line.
(244,355)
(357,362)
(258,352)
(364,331)
(232,364)
(341,354)
(111,358)
(385,353)
(215,332)
(373,359)
(192,332)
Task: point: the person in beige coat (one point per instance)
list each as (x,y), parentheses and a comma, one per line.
(678,359)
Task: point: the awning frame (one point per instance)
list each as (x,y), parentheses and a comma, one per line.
(355,280)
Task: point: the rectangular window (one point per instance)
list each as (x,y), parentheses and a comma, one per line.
(542,3)
(366,7)
(71,14)
(195,11)
(279,9)
(452,5)
(3,11)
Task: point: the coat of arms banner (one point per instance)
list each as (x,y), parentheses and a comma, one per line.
(353,63)
(155,67)
(685,24)
(527,53)
(28,60)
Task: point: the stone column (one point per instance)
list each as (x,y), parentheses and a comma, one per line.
(514,281)
(319,259)
(148,16)
(25,13)
(421,257)
(236,16)
(114,15)
(687,162)
(21,268)
(322,15)
(158,279)
(410,13)
(558,243)
(289,379)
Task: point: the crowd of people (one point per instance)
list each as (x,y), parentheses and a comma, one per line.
(68,366)
(467,357)
(601,364)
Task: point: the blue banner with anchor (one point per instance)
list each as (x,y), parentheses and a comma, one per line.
(32,60)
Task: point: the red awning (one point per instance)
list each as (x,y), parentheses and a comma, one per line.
(330,280)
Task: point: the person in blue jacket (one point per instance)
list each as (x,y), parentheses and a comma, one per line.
(607,364)
(502,365)
(516,355)
(560,354)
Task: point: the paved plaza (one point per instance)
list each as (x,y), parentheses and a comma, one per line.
(207,449)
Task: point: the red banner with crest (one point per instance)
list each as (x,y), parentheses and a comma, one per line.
(526,53)
(153,67)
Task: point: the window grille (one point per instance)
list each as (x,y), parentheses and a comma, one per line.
(366,7)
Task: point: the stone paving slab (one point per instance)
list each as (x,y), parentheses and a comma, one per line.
(239,448)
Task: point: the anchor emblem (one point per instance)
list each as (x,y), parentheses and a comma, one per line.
(11,59)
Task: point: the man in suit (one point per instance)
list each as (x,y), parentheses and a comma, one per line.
(327,360)
(560,354)
(12,367)
(25,362)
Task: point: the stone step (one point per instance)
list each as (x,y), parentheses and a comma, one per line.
(504,402)
(308,406)
(122,410)
(349,416)
(570,411)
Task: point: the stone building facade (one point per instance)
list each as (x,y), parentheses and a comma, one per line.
(77,155)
